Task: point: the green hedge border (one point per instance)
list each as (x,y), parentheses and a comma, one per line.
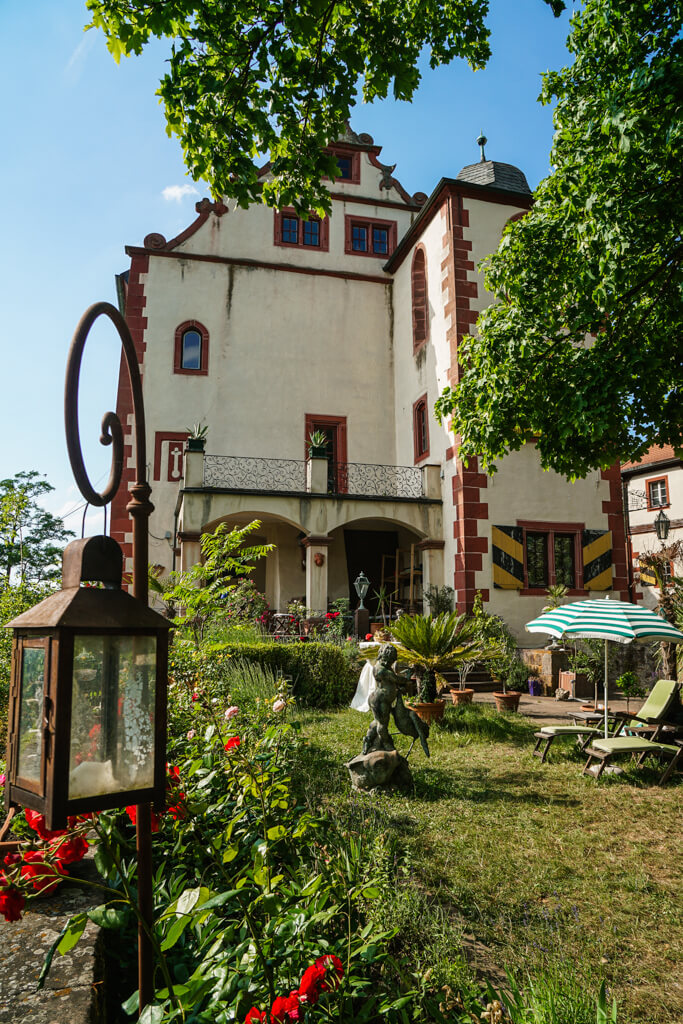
(322,674)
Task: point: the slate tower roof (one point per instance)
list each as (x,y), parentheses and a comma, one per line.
(496,175)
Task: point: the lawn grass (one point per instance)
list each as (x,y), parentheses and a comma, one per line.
(511,864)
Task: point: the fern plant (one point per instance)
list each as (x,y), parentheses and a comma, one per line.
(436,643)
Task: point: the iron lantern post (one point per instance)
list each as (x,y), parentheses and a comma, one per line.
(361,584)
(361,617)
(89,664)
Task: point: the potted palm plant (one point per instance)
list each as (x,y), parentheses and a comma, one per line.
(435,644)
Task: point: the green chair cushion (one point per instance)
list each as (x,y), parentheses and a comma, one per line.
(661,698)
(567,730)
(631,745)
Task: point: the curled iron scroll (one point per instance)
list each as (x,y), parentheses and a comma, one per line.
(112,430)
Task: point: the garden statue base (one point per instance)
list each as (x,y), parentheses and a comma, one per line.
(380,770)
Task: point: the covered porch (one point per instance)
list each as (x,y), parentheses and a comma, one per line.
(322,539)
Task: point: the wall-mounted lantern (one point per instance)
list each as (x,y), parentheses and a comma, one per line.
(662,524)
(88,697)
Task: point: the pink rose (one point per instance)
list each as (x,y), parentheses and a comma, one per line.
(279,705)
(231,712)
(191,734)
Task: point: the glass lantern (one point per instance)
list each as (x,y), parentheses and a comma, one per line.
(87,721)
(361,584)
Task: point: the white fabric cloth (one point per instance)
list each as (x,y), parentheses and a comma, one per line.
(366,684)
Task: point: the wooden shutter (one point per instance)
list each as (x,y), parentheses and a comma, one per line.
(508,557)
(647,577)
(597,559)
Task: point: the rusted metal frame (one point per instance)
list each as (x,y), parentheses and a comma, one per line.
(139,509)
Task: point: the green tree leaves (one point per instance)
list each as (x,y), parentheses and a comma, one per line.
(582,352)
(276,78)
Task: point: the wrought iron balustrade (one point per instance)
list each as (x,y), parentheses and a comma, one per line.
(379,481)
(343,478)
(253,474)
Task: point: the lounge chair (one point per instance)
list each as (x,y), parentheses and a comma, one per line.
(549,733)
(656,714)
(603,750)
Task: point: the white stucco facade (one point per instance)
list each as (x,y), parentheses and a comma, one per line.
(350,326)
(654,486)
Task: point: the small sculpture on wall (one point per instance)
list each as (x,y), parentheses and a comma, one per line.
(319,559)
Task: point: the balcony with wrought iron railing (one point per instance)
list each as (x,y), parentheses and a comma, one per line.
(291,476)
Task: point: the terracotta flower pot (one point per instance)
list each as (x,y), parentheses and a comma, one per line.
(462,696)
(429,713)
(507,701)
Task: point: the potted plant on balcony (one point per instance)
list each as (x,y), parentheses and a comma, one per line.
(435,644)
(317,445)
(196,437)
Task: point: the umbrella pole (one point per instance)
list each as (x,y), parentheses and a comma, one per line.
(606,686)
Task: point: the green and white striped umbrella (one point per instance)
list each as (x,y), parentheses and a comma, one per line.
(606,620)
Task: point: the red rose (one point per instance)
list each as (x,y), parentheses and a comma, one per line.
(368,636)
(10,859)
(309,989)
(132,813)
(195,696)
(44,877)
(11,904)
(254,1014)
(37,823)
(333,968)
(285,1008)
(234,741)
(70,850)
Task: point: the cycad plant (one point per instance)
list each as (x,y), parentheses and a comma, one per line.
(436,643)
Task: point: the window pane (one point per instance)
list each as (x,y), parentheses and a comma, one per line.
(359,238)
(658,494)
(112,716)
(311,232)
(31,713)
(290,230)
(564,549)
(192,351)
(380,240)
(421,428)
(345,165)
(537,559)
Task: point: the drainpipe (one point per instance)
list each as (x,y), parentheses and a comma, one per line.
(629,546)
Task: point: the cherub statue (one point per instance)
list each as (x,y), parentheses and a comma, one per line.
(387,700)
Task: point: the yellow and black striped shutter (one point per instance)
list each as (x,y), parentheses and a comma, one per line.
(597,559)
(508,557)
(646,576)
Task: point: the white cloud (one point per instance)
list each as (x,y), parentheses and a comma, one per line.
(175,193)
(74,65)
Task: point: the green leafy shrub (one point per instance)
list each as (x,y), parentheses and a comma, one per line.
(323,675)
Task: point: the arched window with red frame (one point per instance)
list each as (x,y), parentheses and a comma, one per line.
(191,350)
(418,280)
(420,429)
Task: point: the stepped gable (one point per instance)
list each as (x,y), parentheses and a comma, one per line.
(493,174)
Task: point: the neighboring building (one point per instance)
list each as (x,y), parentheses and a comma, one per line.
(653,485)
(266,327)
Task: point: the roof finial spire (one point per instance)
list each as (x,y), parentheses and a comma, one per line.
(481,142)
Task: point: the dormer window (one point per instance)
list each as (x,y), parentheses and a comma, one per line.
(345,165)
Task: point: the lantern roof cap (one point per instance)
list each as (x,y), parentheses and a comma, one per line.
(90,608)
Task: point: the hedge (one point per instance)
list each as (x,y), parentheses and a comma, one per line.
(322,674)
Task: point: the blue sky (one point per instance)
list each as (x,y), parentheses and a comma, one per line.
(88,168)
